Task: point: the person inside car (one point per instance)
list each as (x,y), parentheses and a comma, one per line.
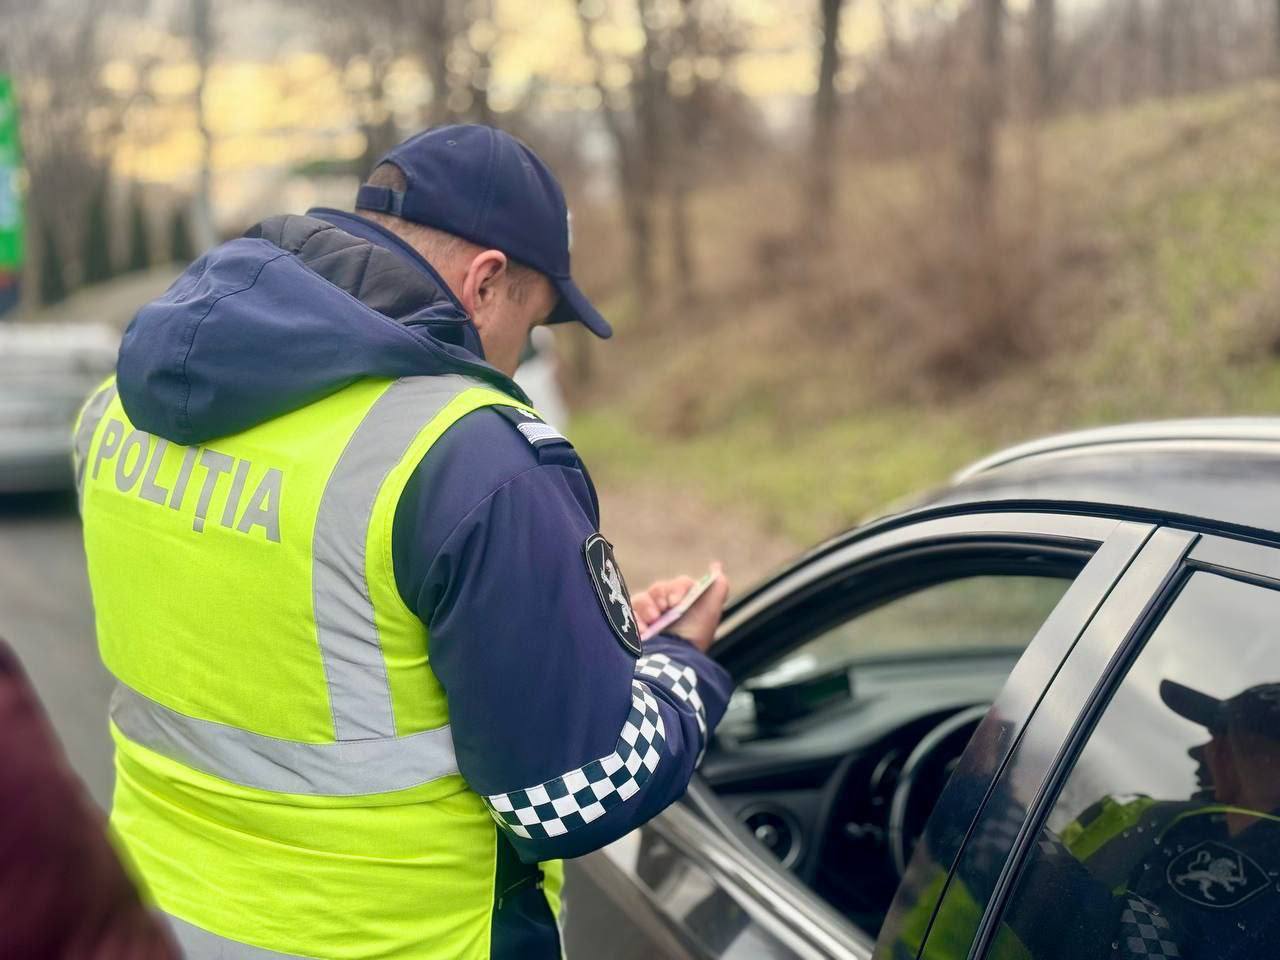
(1209,862)
(1194,879)
(365,627)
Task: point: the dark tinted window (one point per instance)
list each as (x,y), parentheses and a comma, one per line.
(1165,839)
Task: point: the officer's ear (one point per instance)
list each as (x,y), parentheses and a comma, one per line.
(480,286)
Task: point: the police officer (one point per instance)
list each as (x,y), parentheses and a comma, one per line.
(1211,864)
(1197,879)
(378,670)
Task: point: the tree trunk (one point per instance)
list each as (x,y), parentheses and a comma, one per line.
(1276,34)
(635,199)
(681,164)
(96,261)
(889,24)
(684,267)
(202,222)
(478,82)
(437,39)
(1134,54)
(379,131)
(822,146)
(1192,46)
(977,251)
(978,140)
(53,278)
(1169,29)
(1043,37)
(652,108)
(481,108)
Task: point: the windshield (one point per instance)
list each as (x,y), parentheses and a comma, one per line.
(969,615)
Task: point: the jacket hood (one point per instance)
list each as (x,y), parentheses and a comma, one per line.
(291,312)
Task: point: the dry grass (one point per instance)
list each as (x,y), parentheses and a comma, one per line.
(1130,273)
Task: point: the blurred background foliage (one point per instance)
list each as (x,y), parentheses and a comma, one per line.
(848,245)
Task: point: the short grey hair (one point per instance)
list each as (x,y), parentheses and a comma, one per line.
(438,246)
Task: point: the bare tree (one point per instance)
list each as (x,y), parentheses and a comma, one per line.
(823,142)
(649,98)
(202,42)
(1133,50)
(459,72)
(1043,51)
(634,174)
(478,76)
(433,35)
(658,123)
(982,115)
(1275,32)
(892,34)
(689,111)
(376,35)
(1172,17)
(437,38)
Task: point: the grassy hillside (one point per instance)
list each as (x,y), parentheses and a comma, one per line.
(1139,258)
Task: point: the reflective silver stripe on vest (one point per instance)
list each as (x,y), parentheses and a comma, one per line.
(359,693)
(89,421)
(199,944)
(342,769)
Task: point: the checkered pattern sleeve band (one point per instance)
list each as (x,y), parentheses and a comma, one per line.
(681,681)
(568,738)
(1144,932)
(586,793)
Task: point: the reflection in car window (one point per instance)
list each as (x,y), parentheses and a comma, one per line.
(1165,840)
(968,614)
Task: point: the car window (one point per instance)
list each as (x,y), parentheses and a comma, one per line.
(1165,838)
(974,614)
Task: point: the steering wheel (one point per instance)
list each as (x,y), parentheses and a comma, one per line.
(925,773)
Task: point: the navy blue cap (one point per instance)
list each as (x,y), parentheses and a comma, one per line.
(486,186)
(1256,709)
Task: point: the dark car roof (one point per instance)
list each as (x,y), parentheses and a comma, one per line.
(1219,473)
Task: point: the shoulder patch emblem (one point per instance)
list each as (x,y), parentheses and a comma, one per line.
(1215,875)
(536,432)
(612,591)
(531,427)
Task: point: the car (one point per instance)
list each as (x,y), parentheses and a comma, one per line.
(997,723)
(46,371)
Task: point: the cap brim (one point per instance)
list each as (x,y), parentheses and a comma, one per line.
(574,305)
(1192,704)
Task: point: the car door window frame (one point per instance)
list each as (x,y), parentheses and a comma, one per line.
(1082,691)
(967,531)
(1111,545)
(1246,561)
(1239,559)
(957,815)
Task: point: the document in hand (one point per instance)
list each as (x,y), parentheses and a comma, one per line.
(681,608)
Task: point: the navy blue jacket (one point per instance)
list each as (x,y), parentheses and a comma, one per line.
(489,534)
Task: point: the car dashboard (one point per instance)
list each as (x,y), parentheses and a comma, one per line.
(812,768)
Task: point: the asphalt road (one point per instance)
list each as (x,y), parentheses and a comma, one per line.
(47,616)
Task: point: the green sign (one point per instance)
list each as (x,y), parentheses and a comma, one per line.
(11,228)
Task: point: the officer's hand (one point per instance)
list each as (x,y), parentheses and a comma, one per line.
(698,625)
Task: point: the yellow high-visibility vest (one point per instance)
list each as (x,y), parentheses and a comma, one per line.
(285,775)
